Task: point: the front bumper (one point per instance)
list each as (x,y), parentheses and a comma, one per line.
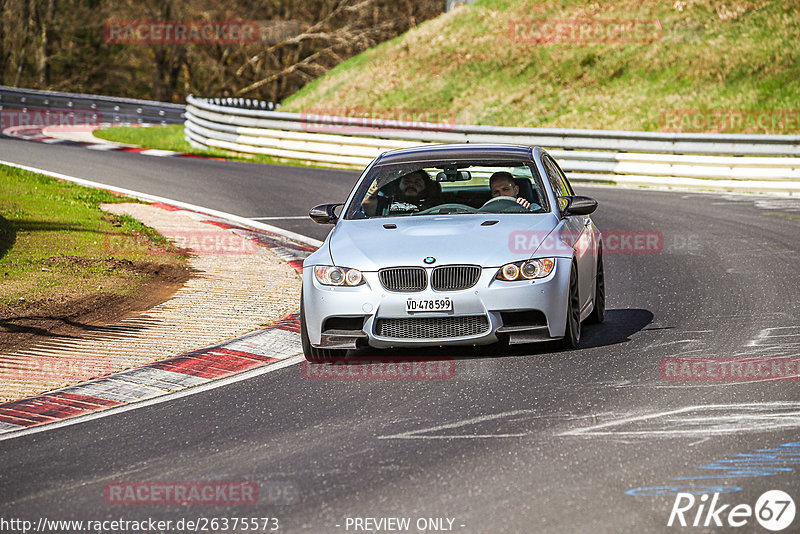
(490,298)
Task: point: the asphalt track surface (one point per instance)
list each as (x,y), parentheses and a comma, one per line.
(530,440)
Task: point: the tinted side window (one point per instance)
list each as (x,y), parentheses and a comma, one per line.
(556,182)
(565,185)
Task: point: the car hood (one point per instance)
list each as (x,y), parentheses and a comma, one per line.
(451,239)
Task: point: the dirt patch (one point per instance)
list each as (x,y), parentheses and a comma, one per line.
(73,315)
(72,338)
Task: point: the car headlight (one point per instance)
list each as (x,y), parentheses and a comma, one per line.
(526,270)
(330,275)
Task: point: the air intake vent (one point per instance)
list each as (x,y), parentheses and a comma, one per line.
(432,327)
(403,279)
(454,277)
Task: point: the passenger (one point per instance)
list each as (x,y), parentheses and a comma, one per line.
(502,184)
(414,191)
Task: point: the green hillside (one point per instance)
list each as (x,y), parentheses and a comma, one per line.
(569,64)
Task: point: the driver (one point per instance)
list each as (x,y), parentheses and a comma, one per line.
(412,192)
(502,184)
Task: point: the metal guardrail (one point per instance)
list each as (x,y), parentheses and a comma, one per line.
(567,139)
(730,161)
(92,108)
(704,161)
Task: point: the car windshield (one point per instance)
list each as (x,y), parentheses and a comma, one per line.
(436,188)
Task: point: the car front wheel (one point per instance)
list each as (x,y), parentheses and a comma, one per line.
(598,314)
(572,334)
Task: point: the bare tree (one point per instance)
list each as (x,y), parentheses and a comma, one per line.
(24,39)
(60,44)
(3,53)
(43,14)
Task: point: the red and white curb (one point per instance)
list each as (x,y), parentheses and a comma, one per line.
(161,378)
(258,349)
(39,134)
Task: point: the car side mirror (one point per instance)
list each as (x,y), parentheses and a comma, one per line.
(325,213)
(578,205)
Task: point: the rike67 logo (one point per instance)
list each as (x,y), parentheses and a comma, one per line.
(774,511)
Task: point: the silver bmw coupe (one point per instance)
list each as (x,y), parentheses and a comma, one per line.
(453,245)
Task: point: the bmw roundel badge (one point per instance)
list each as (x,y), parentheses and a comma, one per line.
(429,260)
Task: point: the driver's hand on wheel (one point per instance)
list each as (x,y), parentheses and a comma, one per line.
(524,203)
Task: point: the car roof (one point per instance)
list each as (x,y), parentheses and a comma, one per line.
(456,152)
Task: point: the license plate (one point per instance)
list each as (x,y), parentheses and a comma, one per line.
(427,305)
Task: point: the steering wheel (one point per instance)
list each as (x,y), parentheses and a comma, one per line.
(446,208)
(510,205)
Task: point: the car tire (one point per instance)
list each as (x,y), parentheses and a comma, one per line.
(313,354)
(572,333)
(598,314)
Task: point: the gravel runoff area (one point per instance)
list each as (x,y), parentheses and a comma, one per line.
(237,286)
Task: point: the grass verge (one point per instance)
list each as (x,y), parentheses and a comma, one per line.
(168,137)
(57,245)
(687,65)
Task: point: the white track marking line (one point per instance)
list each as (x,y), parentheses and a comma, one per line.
(246,375)
(597,430)
(157,152)
(415,434)
(285,362)
(102,147)
(244,221)
(298,217)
